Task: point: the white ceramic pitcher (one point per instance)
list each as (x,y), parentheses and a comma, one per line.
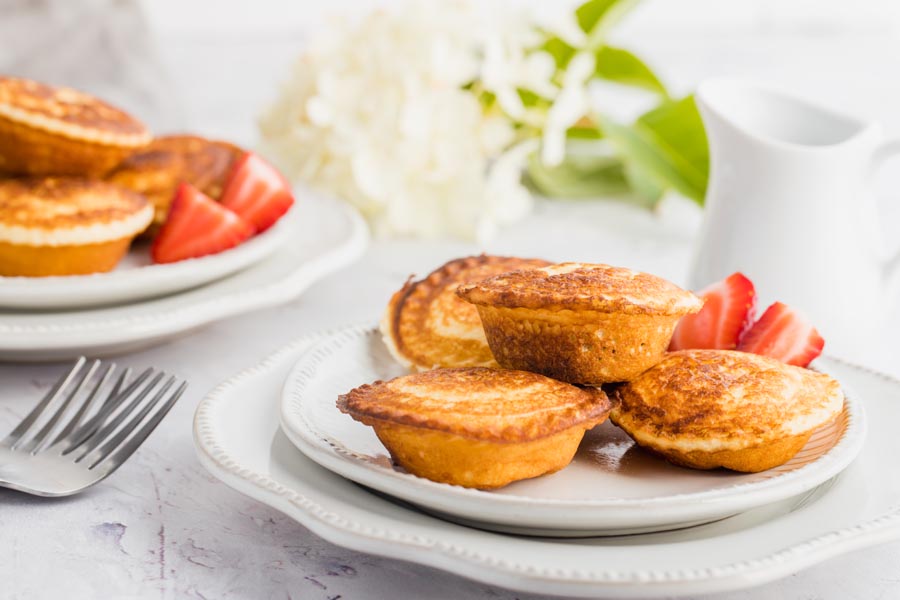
(789,205)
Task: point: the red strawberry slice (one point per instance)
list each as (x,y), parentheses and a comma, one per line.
(257,192)
(785,334)
(197,226)
(726,314)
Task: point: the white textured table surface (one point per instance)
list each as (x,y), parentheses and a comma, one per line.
(163,528)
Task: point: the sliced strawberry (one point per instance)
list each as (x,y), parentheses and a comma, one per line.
(785,334)
(197,226)
(726,314)
(257,192)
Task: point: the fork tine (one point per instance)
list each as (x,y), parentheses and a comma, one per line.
(120,382)
(113,401)
(128,425)
(111,424)
(121,454)
(88,403)
(37,440)
(26,423)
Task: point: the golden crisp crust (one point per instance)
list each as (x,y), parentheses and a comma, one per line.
(448,458)
(584,347)
(427,325)
(722,399)
(746,460)
(45,261)
(478,403)
(156,170)
(581,286)
(64,202)
(68,112)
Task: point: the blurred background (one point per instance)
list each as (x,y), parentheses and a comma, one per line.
(213,65)
(848,53)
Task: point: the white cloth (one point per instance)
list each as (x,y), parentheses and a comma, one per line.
(102,47)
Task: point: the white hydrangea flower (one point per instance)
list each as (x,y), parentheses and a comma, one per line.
(572,103)
(377,112)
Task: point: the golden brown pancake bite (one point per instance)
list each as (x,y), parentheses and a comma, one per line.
(580,323)
(427,325)
(156,170)
(477,427)
(66,225)
(47,130)
(720,408)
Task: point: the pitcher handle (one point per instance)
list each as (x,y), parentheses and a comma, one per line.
(884,151)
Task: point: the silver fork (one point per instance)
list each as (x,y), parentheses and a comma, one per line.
(84,428)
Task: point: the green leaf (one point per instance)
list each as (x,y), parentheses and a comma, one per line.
(560,50)
(531,100)
(596,17)
(579,176)
(487,99)
(666,146)
(678,131)
(583,132)
(621,66)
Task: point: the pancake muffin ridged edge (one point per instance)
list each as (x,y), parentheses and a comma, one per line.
(405,305)
(372,404)
(390,322)
(583,286)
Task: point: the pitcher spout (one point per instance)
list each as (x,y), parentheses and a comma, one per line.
(772,117)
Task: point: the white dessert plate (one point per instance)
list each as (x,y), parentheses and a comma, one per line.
(612,487)
(324,236)
(237,435)
(137,278)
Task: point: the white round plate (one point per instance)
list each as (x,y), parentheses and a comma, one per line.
(137,278)
(324,236)
(236,432)
(612,487)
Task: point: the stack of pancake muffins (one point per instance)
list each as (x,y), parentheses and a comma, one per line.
(81,179)
(515,359)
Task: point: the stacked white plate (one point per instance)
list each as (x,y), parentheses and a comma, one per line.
(617,521)
(139,303)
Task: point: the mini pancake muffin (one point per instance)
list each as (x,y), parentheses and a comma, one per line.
(426,325)
(47,130)
(580,323)
(66,226)
(722,408)
(477,427)
(156,170)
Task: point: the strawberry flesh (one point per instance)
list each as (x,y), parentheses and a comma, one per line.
(257,192)
(197,226)
(727,313)
(783,333)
